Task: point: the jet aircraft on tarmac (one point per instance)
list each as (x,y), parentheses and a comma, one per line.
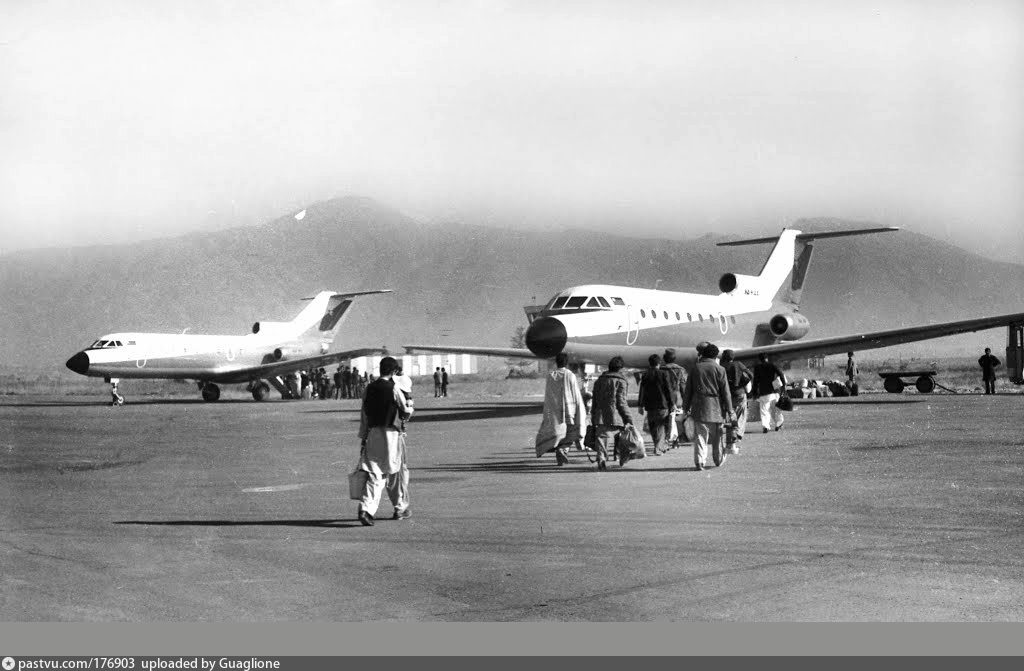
(272,349)
(753,314)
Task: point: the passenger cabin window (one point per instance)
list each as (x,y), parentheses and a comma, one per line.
(654,314)
(700,316)
(733,318)
(559,302)
(689,317)
(604,302)
(665,314)
(576,302)
(642,313)
(677,317)
(131,342)
(592,303)
(618,301)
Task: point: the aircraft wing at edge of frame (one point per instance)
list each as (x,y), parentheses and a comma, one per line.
(875,339)
(479,351)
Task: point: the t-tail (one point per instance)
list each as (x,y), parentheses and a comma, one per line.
(789,259)
(318,320)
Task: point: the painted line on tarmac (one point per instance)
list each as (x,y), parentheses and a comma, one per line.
(273,488)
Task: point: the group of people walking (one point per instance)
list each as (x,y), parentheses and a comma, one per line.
(713,396)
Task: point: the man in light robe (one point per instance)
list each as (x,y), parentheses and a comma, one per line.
(564,418)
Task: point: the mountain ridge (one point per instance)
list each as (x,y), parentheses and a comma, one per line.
(455,283)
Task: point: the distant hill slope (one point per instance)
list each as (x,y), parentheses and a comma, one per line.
(470,282)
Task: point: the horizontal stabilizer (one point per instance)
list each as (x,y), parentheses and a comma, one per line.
(807,237)
(350,294)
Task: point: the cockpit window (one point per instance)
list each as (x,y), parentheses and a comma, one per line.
(105,344)
(618,301)
(604,302)
(559,302)
(592,303)
(576,301)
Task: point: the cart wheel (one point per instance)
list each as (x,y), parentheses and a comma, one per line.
(893,385)
(925,384)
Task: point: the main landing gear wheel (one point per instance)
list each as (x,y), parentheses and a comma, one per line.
(925,384)
(211,392)
(261,391)
(893,385)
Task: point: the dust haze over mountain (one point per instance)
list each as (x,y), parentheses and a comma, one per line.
(455,283)
(124,121)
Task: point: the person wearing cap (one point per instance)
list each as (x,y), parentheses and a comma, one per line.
(768,382)
(707,400)
(656,400)
(738,377)
(676,382)
(383,416)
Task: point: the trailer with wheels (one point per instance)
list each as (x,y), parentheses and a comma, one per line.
(894,384)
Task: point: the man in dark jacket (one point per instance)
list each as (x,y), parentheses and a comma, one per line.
(656,401)
(738,377)
(765,375)
(988,365)
(706,399)
(609,405)
(677,382)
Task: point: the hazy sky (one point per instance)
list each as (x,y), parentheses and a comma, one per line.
(123,120)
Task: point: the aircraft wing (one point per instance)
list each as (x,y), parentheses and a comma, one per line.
(875,339)
(291,365)
(480,351)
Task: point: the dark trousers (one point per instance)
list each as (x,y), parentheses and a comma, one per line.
(990,386)
(657,423)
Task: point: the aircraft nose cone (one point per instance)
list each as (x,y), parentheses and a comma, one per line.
(546,337)
(79,363)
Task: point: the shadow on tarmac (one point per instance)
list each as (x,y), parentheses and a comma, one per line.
(849,401)
(329,524)
(162,401)
(462,413)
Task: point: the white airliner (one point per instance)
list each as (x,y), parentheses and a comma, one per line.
(272,349)
(753,314)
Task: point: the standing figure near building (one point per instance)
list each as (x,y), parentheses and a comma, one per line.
(656,401)
(609,405)
(444,383)
(988,365)
(564,414)
(768,383)
(382,435)
(338,384)
(437,382)
(708,401)
(738,376)
(851,375)
(677,383)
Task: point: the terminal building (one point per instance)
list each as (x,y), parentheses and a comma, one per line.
(422,365)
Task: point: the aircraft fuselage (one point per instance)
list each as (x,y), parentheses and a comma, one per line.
(219,358)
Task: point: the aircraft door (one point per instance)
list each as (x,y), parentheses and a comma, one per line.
(632,325)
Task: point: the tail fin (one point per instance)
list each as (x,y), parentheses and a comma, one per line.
(324,313)
(790,256)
